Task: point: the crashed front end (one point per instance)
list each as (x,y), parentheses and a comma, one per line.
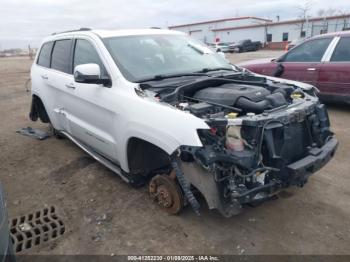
(249,155)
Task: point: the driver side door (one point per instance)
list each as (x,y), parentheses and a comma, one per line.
(303,63)
(90,119)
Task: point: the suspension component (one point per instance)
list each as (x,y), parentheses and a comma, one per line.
(186,187)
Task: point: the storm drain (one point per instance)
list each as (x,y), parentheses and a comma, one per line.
(35,228)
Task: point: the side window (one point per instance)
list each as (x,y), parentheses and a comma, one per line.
(310,51)
(269,37)
(342,51)
(85,53)
(61,56)
(45,54)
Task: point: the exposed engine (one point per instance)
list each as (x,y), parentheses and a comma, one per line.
(248,98)
(260,138)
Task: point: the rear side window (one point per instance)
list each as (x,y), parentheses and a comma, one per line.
(342,51)
(61,56)
(310,51)
(85,53)
(45,54)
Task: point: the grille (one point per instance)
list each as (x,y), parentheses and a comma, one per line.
(35,228)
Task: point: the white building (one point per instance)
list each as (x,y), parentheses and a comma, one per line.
(275,34)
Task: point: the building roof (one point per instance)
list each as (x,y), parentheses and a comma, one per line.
(221,20)
(294,21)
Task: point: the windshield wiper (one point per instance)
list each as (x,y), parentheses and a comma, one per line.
(206,70)
(161,77)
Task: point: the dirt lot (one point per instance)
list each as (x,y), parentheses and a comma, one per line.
(311,220)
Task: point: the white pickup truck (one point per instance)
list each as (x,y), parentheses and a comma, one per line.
(157,106)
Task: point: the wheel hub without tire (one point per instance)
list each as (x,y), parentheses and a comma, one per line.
(166,193)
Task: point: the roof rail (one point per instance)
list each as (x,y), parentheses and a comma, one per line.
(76,30)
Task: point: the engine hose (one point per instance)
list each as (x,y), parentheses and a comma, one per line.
(186,187)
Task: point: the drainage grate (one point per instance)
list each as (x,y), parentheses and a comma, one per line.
(35,228)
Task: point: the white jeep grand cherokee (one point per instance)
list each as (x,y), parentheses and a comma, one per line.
(155,105)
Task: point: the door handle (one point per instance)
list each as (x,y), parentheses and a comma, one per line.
(45,77)
(71,86)
(311,69)
(60,110)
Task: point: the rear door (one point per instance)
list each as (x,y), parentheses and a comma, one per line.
(39,77)
(303,63)
(334,77)
(59,79)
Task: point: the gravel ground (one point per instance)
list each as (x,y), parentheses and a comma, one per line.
(103,215)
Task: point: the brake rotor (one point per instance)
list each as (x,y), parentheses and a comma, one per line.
(166,193)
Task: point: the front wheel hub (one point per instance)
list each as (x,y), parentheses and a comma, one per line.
(166,193)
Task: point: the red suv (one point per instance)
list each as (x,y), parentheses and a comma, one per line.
(322,61)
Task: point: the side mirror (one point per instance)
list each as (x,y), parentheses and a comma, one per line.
(90,74)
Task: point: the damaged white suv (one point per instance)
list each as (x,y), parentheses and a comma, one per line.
(157,106)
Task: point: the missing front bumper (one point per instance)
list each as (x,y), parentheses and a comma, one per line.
(294,174)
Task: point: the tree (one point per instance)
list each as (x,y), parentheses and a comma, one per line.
(304,14)
(327,12)
(331,12)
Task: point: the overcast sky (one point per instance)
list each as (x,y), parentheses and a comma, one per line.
(24,22)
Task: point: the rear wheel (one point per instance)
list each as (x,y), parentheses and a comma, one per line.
(165,191)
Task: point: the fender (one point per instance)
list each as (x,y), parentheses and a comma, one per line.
(164,141)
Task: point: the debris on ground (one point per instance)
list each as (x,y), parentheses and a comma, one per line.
(33,132)
(103,218)
(25,227)
(240,250)
(97,238)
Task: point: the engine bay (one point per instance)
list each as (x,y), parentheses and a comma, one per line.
(221,95)
(258,128)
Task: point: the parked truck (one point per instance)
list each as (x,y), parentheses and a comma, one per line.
(245,46)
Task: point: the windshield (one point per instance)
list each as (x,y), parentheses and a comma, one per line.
(147,56)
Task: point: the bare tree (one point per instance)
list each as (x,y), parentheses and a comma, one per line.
(327,12)
(304,14)
(331,12)
(344,13)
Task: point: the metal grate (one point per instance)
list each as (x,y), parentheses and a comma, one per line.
(35,228)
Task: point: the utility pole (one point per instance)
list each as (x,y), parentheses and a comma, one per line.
(30,53)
